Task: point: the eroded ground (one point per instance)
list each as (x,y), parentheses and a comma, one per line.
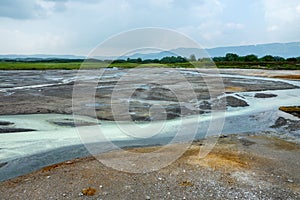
(235,169)
(258,166)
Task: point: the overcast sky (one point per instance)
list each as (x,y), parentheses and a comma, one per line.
(78,26)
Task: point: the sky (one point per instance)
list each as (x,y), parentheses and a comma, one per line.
(78,26)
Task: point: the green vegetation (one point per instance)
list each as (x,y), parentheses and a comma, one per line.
(230,60)
(231,57)
(260,65)
(38,65)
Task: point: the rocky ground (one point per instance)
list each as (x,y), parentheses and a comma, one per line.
(235,169)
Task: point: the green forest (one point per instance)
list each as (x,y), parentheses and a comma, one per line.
(230,60)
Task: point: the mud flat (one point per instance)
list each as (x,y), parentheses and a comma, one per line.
(32,92)
(260,165)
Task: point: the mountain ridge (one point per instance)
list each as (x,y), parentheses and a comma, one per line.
(286,50)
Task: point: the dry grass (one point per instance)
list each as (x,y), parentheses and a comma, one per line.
(294,110)
(234,89)
(290,108)
(89,191)
(290,76)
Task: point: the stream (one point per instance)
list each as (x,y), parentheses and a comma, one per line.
(56,139)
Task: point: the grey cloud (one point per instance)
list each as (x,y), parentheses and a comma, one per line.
(19,9)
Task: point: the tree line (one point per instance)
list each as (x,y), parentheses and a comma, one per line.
(164,60)
(229,57)
(232,57)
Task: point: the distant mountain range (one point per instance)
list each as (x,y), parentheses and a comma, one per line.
(39,56)
(285,50)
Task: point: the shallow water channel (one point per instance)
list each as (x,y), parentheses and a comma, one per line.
(56,138)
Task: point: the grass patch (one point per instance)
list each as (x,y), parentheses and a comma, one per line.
(38,66)
(21,65)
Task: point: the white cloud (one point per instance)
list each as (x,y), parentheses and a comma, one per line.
(272,28)
(77,26)
(233,25)
(17,42)
(298,9)
(161,3)
(206,33)
(282,19)
(206,9)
